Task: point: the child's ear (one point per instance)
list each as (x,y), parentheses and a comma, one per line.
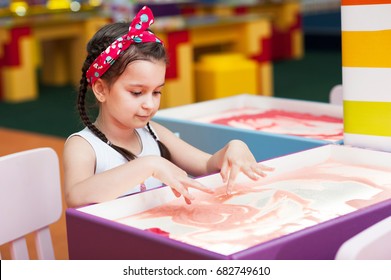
(99,89)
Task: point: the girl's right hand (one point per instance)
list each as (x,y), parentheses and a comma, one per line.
(176,178)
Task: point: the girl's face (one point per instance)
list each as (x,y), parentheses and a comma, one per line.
(134,98)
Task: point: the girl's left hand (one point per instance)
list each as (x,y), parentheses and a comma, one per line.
(238,158)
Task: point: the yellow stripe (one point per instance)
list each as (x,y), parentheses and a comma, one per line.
(368,118)
(366,48)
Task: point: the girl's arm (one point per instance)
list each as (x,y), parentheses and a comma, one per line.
(184,155)
(233,158)
(83,187)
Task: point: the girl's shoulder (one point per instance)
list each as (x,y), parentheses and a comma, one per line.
(84,133)
(88,136)
(81,140)
(77,148)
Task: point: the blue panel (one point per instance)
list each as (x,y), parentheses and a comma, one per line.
(210,138)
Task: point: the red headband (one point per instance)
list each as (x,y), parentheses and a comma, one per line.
(138,33)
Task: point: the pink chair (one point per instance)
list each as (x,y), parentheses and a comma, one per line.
(30,200)
(373,243)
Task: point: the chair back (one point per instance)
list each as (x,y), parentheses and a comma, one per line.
(336,95)
(373,243)
(30,200)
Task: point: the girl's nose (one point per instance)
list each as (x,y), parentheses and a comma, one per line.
(148,101)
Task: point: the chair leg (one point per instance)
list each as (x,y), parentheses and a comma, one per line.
(44,244)
(19,249)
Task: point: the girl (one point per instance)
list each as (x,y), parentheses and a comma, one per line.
(123,151)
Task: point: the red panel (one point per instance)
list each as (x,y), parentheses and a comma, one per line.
(241,10)
(282,44)
(174,39)
(11,50)
(266,53)
(364,2)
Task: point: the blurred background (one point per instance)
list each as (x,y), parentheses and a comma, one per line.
(42,47)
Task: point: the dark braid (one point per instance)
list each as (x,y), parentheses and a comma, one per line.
(101,40)
(163,149)
(87,122)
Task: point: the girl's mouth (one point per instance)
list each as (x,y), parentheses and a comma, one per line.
(144,118)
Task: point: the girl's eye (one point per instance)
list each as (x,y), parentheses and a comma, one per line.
(157,92)
(136,92)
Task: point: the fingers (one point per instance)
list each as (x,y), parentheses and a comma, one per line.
(265,167)
(198,186)
(185,193)
(233,173)
(188,201)
(253,171)
(176,193)
(181,189)
(256,170)
(229,173)
(224,171)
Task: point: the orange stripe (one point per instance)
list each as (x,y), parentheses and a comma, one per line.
(364,2)
(366,48)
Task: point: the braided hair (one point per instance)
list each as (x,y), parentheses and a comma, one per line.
(150,51)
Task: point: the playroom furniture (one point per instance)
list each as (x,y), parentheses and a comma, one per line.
(225,74)
(373,243)
(287,38)
(30,200)
(95,233)
(62,39)
(211,137)
(366,68)
(335,96)
(245,34)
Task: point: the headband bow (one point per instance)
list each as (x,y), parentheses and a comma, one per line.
(138,33)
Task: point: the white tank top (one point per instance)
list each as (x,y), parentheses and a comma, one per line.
(108,158)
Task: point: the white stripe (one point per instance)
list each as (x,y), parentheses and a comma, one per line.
(379,143)
(366,17)
(366,84)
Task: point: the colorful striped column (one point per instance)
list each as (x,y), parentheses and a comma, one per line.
(366,73)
